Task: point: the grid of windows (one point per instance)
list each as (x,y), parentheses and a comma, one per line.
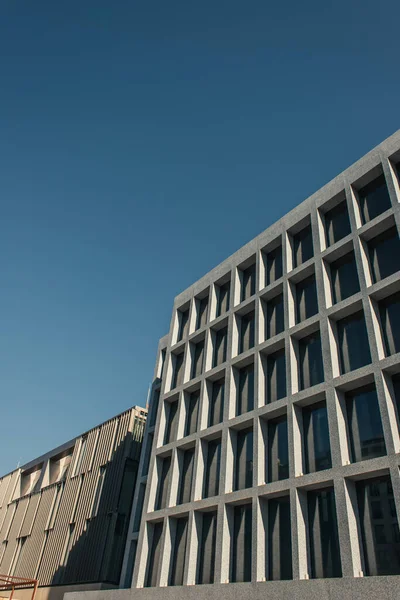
(292,384)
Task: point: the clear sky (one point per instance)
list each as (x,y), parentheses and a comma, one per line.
(124,126)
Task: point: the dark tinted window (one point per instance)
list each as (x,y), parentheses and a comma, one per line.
(379,526)
(274,322)
(278,452)
(245,393)
(216,402)
(186,474)
(384,252)
(276,376)
(198,359)
(177,377)
(279,540)
(241,544)
(171,409)
(248,282)
(374,199)
(344,277)
(192,411)
(364,424)
(246,340)
(306,299)
(213,459)
(337,223)
(353,342)
(389,309)
(183,317)
(179,550)
(311,369)
(162,491)
(220,345)
(317,451)
(223,298)
(274,265)
(303,248)
(323,534)
(244,459)
(202,312)
(207,548)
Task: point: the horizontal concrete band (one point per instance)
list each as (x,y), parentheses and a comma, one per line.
(363,588)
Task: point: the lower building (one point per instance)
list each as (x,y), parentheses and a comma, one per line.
(64,516)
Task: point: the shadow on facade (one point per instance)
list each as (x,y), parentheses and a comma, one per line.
(97,554)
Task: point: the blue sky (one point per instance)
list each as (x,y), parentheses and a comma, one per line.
(124,127)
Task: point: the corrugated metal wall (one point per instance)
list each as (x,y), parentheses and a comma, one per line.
(90,558)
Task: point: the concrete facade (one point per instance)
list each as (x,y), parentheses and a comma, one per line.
(64,515)
(357,465)
(319,446)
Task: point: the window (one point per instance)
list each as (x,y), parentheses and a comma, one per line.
(364,424)
(177,376)
(274,322)
(275,381)
(337,223)
(379,527)
(303,248)
(246,340)
(396,389)
(99,491)
(198,359)
(384,250)
(353,342)
(212,471)
(245,392)
(205,572)
(242,543)
(389,309)
(220,345)
(162,491)
(216,408)
(185,486)
(344,277)
(279,540)
(183,321)
(274,265)
(30,480)
(317,451)
(154,557)
(179,551)
(223,292)
(202,312)
(374,199)
(139,507)
(147,454)
(323,534)
(171,409)
(248,282)
(278,451)
(154,407)
(244,459)
(192,412)
(311,370)
(306,299)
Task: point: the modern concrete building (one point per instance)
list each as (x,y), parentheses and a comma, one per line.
(272,449)
(64,516)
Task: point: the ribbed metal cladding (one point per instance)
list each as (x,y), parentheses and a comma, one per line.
(81,503)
